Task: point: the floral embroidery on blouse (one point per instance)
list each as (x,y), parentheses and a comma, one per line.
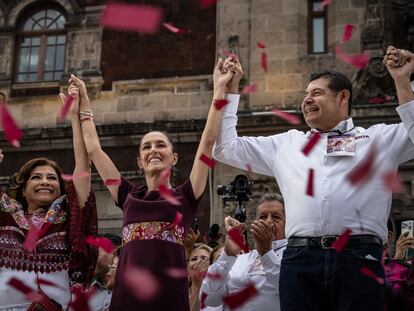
(55,215)
(153,230)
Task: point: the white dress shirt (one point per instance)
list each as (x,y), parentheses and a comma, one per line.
(336,204)
(238,272)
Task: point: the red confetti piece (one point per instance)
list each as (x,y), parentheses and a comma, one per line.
(142,283)
(103,243)
(165,192)
(164,176)
(325,3)
(177,219)
(80,298)
(140,18)
(33,235)
(348,30)
(214,276)
(393,182)
(292,119)
(362,172)
(376,100)
(20,286)
(228,54)
(249,168)
(358,61)
(309,186)
(64,110)
(11,131)
(238,239)
(342,241)
(174,29)
(239,298)
(311,143)
(263,62)
(251,88)
(207,161)
(220,103)
(207,3)
(261,45)
(113,182)
(47,283)
(177,273)
(76,176)
(203,300)
(366,271)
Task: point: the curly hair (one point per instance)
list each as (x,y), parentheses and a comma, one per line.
(18,180)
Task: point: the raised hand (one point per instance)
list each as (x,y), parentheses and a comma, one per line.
(233,64)
(220,79)
(400,63)
(263,234)
(230,247)
(1,156)
(404,242)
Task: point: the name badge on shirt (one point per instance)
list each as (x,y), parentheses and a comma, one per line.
(341,145)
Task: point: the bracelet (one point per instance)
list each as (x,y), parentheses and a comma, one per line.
(86,113)
(86,119)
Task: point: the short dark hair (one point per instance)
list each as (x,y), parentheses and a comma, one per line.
(337,82)
(18,180)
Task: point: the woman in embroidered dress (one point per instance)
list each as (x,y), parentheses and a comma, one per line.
(152,240)
(38,199)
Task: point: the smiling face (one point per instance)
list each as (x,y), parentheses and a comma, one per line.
(273,212)
(156,153)
(42,187)
(322,107)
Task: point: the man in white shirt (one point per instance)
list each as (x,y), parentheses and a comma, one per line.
(313,276)
(260,266)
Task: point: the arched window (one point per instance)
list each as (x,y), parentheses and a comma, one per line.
(41,47)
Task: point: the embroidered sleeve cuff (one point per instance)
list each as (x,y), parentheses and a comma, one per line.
(270,260)
(233,104)
(406,113)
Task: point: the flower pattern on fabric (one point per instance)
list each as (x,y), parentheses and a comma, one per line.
(153,230)
(55,215)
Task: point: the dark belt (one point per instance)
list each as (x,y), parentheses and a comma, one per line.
(326,241)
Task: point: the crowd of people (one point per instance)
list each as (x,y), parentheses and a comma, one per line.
(320,246)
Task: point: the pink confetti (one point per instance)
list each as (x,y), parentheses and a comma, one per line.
(47,283)
(366,271)
(203,300)
(251,88)
(177,219)
(164,176)
(311,143)
(142,283)
(113,182)
(393,182)
(362,172)
(263,62)
(376,100)
(239,298)
(214,276)
(238,238)
(348,30)
(207,3)
(76,176)
(207,160)
(325,3)
(177,273)
(33,235)
(11,131)
(103,243)
(249,168)
(342,241)
(140,18)
(358,61)
(261,45)
(228,54)
(20,286)
(220,103)
(165,192)
(64,110)
(174,29)
(309,186)
(292,119)
(80,298)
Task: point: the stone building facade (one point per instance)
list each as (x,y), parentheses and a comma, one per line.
(142,82)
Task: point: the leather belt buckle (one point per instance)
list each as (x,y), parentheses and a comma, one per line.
(327,241)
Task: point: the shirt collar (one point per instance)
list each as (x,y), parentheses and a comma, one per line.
(343,126)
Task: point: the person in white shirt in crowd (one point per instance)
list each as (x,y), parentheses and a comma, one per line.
(260,266)
(313,275)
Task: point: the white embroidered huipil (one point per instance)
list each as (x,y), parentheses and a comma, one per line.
(238,272)
(336,203)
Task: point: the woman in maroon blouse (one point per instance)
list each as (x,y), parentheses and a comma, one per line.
(39,199)
(152,241)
